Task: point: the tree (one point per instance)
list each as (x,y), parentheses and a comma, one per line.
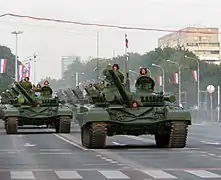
(209,73)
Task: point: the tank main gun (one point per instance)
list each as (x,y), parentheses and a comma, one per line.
(79,95)
(61,96)
(116,81)
(25,93)
(70,96)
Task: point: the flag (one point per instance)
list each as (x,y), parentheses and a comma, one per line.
(175,78)
(27,70)
(20,72)
(195,77)
(159,80)
(126,41)
(3,66)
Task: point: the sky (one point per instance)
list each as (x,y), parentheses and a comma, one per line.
(50,40)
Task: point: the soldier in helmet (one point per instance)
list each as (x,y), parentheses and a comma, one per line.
(26,84)
(116,68)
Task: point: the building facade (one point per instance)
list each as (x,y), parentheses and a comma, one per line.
(203,42)
(67,61)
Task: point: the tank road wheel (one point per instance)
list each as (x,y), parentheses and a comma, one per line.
(176,138)
(64,126)
(94,136)
(11,125)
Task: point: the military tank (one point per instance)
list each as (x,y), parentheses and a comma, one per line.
(28,108)
(115,111)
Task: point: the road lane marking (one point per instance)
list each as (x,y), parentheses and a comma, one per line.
(54,150)
(113,174)
(70,142)
(158,174)
(203,173)
(22,175)
(119,144)
(68,175)
(210,143)
(55,153)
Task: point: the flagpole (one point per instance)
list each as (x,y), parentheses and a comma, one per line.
(126,64)
(98,69)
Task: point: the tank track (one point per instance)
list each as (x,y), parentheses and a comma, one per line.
(64,125)
(94,136)
(175,138)
(178,135)
(11,125)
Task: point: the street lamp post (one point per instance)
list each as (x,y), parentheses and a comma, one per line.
(198,80)
(179,79)
(162,72)
(16,33)
(134,72)
(77,77)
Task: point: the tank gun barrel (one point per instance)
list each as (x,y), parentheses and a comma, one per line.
(10,94)
(61,96)
(24,92)
(170,98)
(15,91)
(119,86)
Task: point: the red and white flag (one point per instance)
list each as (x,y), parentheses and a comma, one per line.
(159,80)
(175,78)
(195,77)
(126,41)
(20,72)
(3,66)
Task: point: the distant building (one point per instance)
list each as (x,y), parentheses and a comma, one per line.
(67,61)
(203,42)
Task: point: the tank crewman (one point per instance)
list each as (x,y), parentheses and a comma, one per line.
(46,83)
(116,68)
(143,71)
(26,84)
(37,90)
(38,86)
(46,90)
(144,82)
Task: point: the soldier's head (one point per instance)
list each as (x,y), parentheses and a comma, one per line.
(26,79)
(46,83)
(38,86)
(143,71)
(115,67)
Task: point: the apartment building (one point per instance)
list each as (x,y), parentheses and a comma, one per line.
(204,42)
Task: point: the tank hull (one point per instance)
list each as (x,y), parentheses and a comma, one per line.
(118,120)
(57,116)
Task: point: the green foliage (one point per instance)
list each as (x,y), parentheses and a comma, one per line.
(209,73)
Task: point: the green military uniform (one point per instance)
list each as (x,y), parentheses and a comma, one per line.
(26,85)
(118,73)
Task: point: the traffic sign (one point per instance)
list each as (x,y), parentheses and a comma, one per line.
(210,89)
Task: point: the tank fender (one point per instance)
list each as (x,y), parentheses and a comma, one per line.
(11,111)
(92,115)
(64,111)
(178,114)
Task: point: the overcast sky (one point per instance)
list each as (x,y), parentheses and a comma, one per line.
(53,40)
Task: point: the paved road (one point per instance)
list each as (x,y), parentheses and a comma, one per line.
(48,156)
